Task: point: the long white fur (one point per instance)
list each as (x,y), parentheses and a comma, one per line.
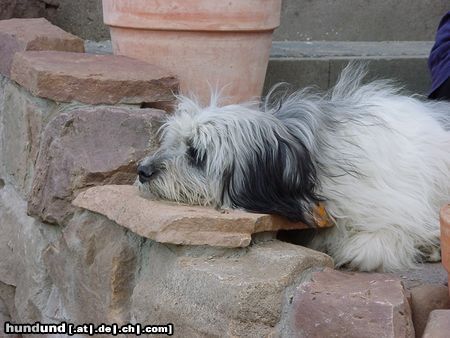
(382,161)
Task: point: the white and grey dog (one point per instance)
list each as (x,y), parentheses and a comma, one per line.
(378,160)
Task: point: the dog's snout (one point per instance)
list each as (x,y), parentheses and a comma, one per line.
(146,173)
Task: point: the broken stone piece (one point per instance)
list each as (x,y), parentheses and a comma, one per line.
(18,35)
(178,224)
(92,79)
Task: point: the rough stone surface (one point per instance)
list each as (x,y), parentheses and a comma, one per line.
(438,324)
(319,63)
(211,292)
(338,304)
(82,17)
(342,20)
(88,146)
(7,307)
(357,20)
(92,79)
(424,299)
(21,9)
(93,265)
(17,35)
(426,273)
(22,119)
(178,224)
(26,241)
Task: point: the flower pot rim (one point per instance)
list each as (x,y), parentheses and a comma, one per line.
(193,15)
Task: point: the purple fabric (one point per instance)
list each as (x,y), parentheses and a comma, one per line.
(439,60)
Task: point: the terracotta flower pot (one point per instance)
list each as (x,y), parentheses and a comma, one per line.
(445,238)
(223,44)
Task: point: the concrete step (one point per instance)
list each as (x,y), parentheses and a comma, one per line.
(360,20)
(318,63)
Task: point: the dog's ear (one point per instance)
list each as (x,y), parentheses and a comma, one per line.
(280,179)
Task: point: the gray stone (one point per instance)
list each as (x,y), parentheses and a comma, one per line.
(21,9)
(356,20)
(93,265)
(7,308)
(22,260)
(438,324)
(22,119)
(424,299)
(82,17)
(88,146)
(426,273)
(300,20)
(7,295)
(338,304)
(319,63)
(210,292)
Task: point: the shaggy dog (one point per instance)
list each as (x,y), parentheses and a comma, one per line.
(379,162)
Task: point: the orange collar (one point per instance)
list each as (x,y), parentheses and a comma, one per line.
(321,217)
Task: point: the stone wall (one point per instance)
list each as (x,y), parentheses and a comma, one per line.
(68,121)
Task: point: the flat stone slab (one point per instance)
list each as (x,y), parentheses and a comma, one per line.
(92,79)
(178,224)
(18,35)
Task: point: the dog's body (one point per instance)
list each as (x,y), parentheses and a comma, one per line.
(379,161)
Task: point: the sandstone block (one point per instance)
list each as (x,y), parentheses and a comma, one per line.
(17,35)
(93,265)
(338,304)
(424,299)
(92,79)
(173,223)
(87,146)
(23,243)
(212,292)
(438,324)
(21,122)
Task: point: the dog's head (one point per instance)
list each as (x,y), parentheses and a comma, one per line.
(231,157)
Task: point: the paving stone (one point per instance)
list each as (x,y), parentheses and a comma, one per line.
(424,299)
(438,324)
(179,224)
(87,146)
(17,35)
(340,304)
(92,79)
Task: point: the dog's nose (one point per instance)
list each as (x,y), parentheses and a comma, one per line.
(145,173)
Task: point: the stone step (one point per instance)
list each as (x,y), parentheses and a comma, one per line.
(92,79)
(18,35)
(356,20)
(318,63)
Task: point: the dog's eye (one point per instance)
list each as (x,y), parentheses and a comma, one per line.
(194,158)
